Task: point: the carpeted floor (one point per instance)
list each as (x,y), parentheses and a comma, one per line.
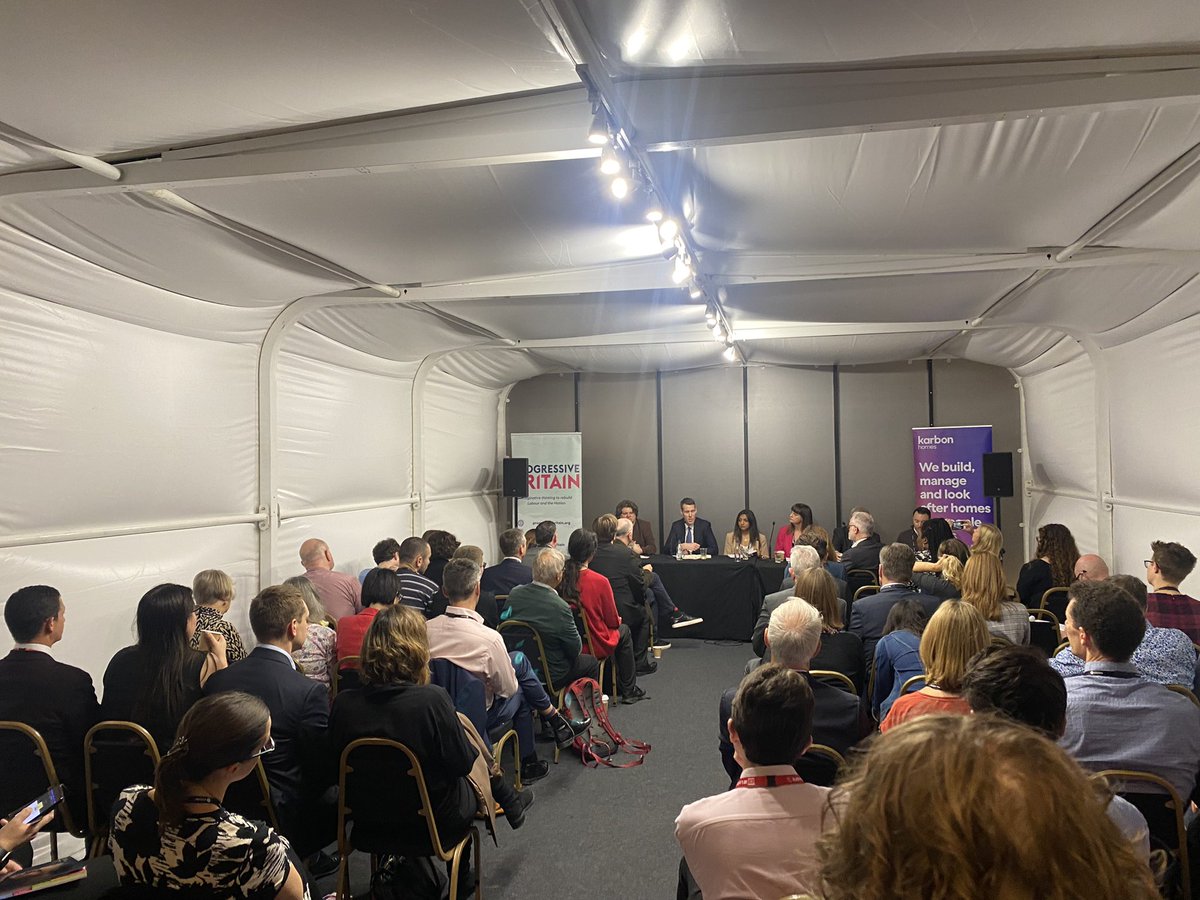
(610,832)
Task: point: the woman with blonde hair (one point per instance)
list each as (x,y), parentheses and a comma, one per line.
(987,539)
(318,656)
(959,807)
(944,577)
(984,587)
(955,633)
(840,650)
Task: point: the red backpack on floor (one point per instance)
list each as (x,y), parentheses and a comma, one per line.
(601,741)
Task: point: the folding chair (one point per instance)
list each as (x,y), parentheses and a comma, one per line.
(29,772)
(467,694)
(820,765)
(377,771)
(1180,689)
(910,683)
(251,797)
(1043,630)
(838,679)
(115,755)
(1055,600)
(341,673)
(522,637)
(1163,810)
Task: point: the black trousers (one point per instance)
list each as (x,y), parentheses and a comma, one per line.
(583,666)
(634,615)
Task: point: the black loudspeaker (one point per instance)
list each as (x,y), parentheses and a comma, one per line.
(516,476)
(997,475)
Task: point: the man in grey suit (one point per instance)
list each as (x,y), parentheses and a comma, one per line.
(869,614)
(802,559)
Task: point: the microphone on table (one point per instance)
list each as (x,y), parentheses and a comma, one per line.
(771,542)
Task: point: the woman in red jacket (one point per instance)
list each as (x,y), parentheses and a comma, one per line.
(591,594)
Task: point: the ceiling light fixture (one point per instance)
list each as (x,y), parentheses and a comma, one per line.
(682,271)
(620,187)
(598,132)
(610,163)
(730,353)
(695,291)
(668,230)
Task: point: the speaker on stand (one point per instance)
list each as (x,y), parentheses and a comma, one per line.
(997,478)
(515,481)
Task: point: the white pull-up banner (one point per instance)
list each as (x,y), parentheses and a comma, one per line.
(555,481)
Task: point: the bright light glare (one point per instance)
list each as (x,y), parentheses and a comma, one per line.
(695,291)
(687,207)
(654,213)
(620,188)
(667,230)
(710,316)
(635,42)
(730,353)
(598,133)
(610,163)
(679,48)
(718,332)
(682,271)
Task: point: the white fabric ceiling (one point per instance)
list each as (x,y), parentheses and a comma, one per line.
(328,213)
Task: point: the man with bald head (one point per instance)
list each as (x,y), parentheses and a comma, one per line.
(340,593)
(1090,567)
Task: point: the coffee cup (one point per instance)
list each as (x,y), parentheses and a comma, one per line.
(658,652)
(778,556)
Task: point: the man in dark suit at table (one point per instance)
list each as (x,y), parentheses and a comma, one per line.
(54,698)
(865,544)
(869,614)
(690,533)
(501,578)
(296,768)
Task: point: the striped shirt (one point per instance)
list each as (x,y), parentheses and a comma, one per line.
(416,590)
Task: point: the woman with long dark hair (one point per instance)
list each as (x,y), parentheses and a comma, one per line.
(800,518)
(155,681)
(178,837)
(1053,564)
(745,539)
(897,655)
(590,594)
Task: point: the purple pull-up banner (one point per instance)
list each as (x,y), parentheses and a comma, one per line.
(948,472)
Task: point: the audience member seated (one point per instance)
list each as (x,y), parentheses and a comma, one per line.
(1018,683)
(297,769)
(545,537)
(689,533)
(416,590)
(973,806)
(176,837)
(386,555)
(213,592)
(984,587)
(380,590)
(818,538)
(799,518)
(442,545)
(317,658)
(1164,656)
(1091,567)
(486,606)
(15,833)
(340,594)
(841,650)
(869,614)
(56,699)
(898,653)
(512,690)
(986,538)
(955,633)
(667,615)
(397,702)
(915,536)
(501,578)
(803,557)
(155,681)
(839,719)
(759,840)
(629,578)
(643,532)
(865,545)
(538,604)
(1116,719)
(1053,564)
(592,593)
(943,577)
(745,539)
(1167,606)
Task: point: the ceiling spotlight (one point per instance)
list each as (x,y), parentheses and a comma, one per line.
(610,163)
(695,291)
(687,208)
(654,213)
(710,316)
(620,187)
(669,251)
(682,271)
(730,353)
(718,332)
(667,230)
(722,294)
(598,133)
(729,339)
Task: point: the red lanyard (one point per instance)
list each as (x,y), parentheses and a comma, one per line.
(759,781)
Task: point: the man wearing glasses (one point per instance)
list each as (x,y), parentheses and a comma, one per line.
(299,721)
(1166,605)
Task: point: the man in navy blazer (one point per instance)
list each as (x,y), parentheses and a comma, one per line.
(56,699)
(869,615)
(297,769)
(690,533)
(501,578)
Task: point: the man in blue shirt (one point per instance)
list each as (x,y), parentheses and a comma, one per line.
(1116,718)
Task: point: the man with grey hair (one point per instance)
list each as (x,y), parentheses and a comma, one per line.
(803,558)
(509,572)
(865,544)
(868,615)
(840,719)
(666,614)
(511,687)
(538,605)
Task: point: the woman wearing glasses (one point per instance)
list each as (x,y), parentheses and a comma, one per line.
(177,836)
